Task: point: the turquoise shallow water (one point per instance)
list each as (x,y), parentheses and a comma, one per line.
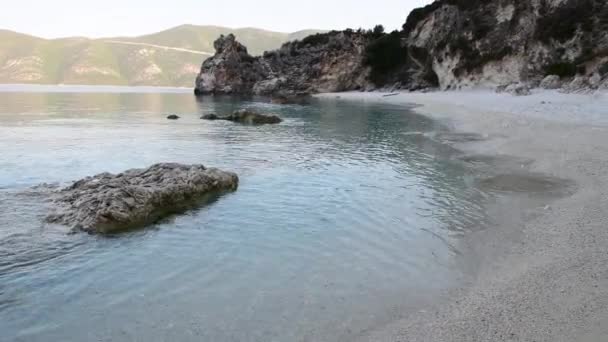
(345,219)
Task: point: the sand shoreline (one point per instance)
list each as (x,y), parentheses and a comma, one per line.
(551,284)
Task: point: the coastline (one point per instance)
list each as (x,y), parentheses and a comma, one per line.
(86,88)
(551,283)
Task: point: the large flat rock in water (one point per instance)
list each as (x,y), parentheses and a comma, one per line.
(108,203)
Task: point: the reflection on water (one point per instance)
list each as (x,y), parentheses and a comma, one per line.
(343,220)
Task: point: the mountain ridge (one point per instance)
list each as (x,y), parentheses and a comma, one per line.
(170,57)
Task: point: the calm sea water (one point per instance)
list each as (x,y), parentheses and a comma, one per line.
(345,219)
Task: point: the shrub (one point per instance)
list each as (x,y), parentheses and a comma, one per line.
(378,30)
(561,23)
(315,39)
(562,69)
(603,69)
(384,55)
(418,14)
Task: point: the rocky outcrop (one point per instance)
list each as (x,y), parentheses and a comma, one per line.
(246,117)
(291,99)
(231,71)
(319,63)
(551,82)
(495,42)
(449,44)
(516,89)
(108,203)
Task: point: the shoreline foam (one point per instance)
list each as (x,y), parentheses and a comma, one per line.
(551,282)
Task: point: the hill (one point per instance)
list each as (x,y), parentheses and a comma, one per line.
(167,58)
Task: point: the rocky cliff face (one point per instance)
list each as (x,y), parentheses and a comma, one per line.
(449,44)
(319,63)
(497,42)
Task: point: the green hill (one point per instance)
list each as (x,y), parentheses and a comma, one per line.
(167,58)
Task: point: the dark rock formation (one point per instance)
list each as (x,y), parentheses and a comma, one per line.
(108,203)
(291,99)
(246,117)
(172,117)
(320,63)
(231,71)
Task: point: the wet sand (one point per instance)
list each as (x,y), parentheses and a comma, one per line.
(543,277)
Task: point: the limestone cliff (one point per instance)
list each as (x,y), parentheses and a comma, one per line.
(495,42)
(319,63)
(449,44)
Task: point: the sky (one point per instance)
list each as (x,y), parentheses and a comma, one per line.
(106,18)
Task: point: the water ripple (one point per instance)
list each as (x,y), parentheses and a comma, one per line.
(339,215)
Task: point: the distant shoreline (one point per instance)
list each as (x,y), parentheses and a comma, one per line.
(83,88)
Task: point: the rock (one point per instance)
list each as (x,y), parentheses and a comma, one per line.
(551,82)
(231,70)
(595,81)
(246,117)
(518,89)
(326,62)
(172,117)
(108,203)
(290,99)
(249,117)
(210,117)
(279,100)
(580,84)
(501,88)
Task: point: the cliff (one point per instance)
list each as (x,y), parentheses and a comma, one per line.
(319,63)
(449,44)
(497,42)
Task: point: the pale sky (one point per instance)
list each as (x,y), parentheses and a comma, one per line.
(103,18)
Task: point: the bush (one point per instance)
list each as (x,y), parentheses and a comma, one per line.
(603,69)
(378,30)
(315,39)
(562,23)
(384,55)
(562,69)
(418,14)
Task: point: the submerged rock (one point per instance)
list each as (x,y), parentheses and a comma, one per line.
(290,99)
(108,203)
(210,117)
(172,117)
(247,117)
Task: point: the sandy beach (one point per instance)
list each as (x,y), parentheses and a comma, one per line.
(550,282)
